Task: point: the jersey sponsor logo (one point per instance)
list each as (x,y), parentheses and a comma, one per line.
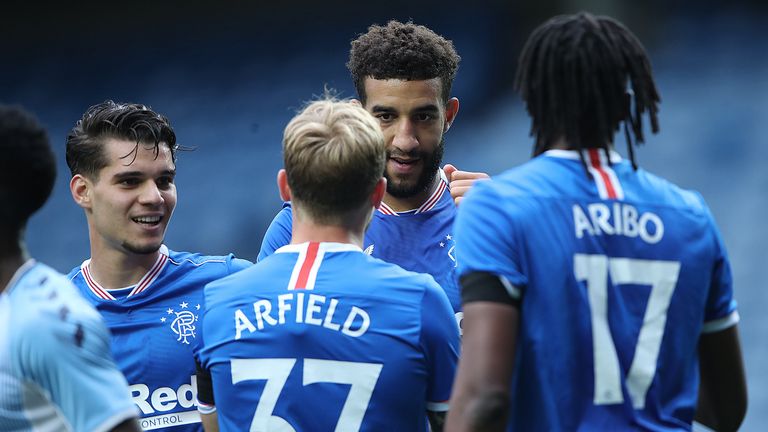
(369,250)
(182,323)
(169,420)
(306,308)
(164,399)
(450,245)
(617,219)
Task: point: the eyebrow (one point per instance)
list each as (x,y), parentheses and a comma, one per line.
(130,174)
(430,108)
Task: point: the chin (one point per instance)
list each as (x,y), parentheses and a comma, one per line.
(144,249)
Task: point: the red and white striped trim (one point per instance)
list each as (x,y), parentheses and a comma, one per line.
(143,284)
(310,257)
(428,205)
(608,185)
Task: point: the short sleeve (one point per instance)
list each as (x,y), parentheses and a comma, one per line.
(278,233)
(67,353)
(486,240)
(720,310)
(440,342)
(237,264)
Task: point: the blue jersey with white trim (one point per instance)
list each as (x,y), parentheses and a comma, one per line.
(618,274)
(56,372)
(420,240)
(319,336)
(154,327)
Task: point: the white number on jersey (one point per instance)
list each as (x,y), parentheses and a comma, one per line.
(662,277)
(362,378)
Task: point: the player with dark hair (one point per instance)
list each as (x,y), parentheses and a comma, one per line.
(56,371)
(122,158)
(319,336)
(403,74)
(601,292)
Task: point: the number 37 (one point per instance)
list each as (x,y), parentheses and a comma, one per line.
(662,277)
(362,378)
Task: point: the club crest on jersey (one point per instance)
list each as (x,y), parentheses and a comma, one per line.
(450,245)
(183,322)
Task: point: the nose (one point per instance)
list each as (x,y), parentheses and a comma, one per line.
(405,138)
(150,194)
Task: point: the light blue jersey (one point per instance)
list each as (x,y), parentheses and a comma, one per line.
(321,337)
(420,240)
(618,274)
(154,327)
(56,372)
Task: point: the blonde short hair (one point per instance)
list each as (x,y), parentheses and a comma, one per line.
(334,155)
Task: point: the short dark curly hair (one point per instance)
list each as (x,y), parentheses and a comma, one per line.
(27,169)
(402,51)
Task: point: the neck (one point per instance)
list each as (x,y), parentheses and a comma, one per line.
(118,269)
(306,230)
(414,201)
(9,263)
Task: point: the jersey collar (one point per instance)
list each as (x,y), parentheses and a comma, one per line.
(574,155)
(428,205)
(144,282)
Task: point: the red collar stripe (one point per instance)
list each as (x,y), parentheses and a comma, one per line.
(607,183)
(151,275)
(307,262)
(387,210)
(95,287)
(432,201)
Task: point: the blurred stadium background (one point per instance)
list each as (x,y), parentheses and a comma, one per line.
(230,75)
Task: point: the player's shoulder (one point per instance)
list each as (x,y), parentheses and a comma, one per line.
(221,264)
(45,302)
(664,191)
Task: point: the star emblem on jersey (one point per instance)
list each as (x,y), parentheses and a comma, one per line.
(182,322)
(448,242)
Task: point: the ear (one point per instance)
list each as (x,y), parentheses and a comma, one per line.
(80,188)
(282,185)
(378,192)
(451,110)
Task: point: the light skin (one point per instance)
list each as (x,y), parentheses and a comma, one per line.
(414,119)
(128,205)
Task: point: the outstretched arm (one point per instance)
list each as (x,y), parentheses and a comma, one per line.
(461,181)
(723,389)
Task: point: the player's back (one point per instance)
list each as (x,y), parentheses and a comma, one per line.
(322,337)
(55,369)
(620,273)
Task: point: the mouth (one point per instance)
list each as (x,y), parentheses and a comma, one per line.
(404,165)
(148,220)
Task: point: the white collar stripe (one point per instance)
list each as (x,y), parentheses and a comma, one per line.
(432,201)
(608,185)
(305,270)
(387,210)
(93,285)
(151,275)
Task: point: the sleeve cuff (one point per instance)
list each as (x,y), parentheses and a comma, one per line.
(721,324)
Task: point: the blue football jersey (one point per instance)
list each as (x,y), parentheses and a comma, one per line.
(154,327)
(420,240)
(56,372)
(618,274)
(321,337)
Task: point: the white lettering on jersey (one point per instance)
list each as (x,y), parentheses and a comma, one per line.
(306,308)
(164,398)
(618,219)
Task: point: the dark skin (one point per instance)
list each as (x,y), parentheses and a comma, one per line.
(480,399)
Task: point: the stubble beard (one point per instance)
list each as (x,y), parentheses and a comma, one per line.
(431,163)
